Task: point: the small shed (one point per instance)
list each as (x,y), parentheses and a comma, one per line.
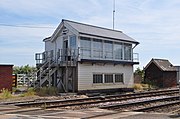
(6,71)
(161,73)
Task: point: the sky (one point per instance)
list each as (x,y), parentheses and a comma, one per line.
(153,23)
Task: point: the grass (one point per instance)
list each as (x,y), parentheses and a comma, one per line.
(5,94)
(143,86)
(30,92)
(138,87)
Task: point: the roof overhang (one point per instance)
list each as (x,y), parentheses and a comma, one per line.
(6,65)
(103,37)
(108,61)
(47,39)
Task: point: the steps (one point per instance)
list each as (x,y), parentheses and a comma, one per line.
(45,72)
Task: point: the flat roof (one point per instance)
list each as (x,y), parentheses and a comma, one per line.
(6,65)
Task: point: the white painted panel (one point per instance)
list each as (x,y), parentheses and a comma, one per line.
(85,75)
(49,46)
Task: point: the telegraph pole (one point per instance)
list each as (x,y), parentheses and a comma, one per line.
(178,79)
(113,12)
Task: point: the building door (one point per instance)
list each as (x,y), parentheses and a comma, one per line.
(65,48)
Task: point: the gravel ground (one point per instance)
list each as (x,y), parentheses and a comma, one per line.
(38,98)
(152,116)
(114,103)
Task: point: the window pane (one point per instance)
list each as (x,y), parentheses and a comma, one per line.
(108,78)
(97,78)
(119,78)
(73,42)
(85,44)
(127,51)
(118,51)
(108,47)
(97,48)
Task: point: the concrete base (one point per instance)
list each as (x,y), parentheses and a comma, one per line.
(93,113)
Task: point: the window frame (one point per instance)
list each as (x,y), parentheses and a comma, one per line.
(108,49)
(121,80)
(113,78)
(95,80)
(118,51)
(127,51)
(97,49)
(109,75)
(72,42)
(85,52)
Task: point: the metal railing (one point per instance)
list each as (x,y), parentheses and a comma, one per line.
(67,56)
(100,55)
(72,56)
(43,57)
(135,57)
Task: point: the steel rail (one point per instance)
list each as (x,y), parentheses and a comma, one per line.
(94,102)
(101,101)
(138,102)
(158,106)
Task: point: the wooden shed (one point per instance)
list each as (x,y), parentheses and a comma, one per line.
(161,73)
(6,71)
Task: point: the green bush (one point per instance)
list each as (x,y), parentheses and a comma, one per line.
(5,94)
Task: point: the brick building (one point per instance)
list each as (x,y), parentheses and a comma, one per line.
(6,76)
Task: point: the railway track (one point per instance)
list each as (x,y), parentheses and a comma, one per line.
(143,105)
(173,114)
(142,94)
(154,108)
(96,100)
(177,111)
(146,101)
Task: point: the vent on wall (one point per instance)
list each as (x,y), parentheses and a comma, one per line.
(65,31)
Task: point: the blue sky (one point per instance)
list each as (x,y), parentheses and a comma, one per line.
(154,23)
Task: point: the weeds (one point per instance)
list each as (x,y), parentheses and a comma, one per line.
(5,94)
(30,92)
(138,87)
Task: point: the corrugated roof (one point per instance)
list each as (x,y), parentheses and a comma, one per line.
(164,65)
(99,31)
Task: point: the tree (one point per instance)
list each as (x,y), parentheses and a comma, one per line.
(139,72)
(24,69)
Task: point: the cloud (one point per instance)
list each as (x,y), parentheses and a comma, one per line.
(154,23)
